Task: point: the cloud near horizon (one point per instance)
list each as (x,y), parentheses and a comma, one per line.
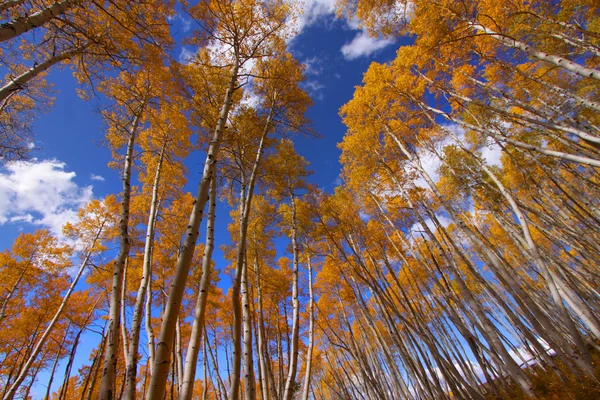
(40,193)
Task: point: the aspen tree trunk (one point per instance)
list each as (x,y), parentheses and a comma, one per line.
(259,354)
(67,376)
(12,291)
(546,272)
(178,356)
(160,369)
(280,381)
(65,386)
(54,365)
(293,363)
(311,333)
(107,386)
(89,375)
(20,82)
(191,359)
(122,305)
(42,340)
(510,364)
(31,382)
(24,24)
(578,306)
(486,328)
(220,385)
(262,356)
(249,381)
(538,260)
(98,366)
(540,55)
(136,322)
(245,208)
(205,369)
(148,325)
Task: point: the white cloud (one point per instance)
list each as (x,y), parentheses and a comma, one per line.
(364,45)
(313,66)
(250,98)
(313,88)
(417,229)
(95,177)
(492,154)
(41,193)
(186,56)
(313,11)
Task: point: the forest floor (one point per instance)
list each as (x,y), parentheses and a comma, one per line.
(547,385)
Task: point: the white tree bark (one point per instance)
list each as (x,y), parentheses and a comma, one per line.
(540,55)
(20,82)
(311,333)
(136,321)
(191,358)
(42,340)
(245,206)
(293,363)
(114,320)
(24,24)
(162,362)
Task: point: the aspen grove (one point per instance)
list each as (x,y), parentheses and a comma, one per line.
(477,278)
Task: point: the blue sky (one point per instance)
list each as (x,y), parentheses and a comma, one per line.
(69,162)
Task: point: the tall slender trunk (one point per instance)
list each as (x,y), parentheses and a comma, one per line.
(220,385)
(540,55)
(148,325)
(24,24)
(160,369)
(509,362)
(249,381)
(136,322)
(12,291)
(311,333)
(42,340)
(549,277)
(293,359)
(178,356)
(98,366)
(55,364)
(122,308)
(18,83)
(114,317)
(205,369)
(245,207)
(191,359)
(262,356)
(93,368)
(67,376)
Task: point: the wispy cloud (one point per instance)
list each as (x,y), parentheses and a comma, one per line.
(313,88)
(95,177)
(364,45)
(314,11)
(313,66)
